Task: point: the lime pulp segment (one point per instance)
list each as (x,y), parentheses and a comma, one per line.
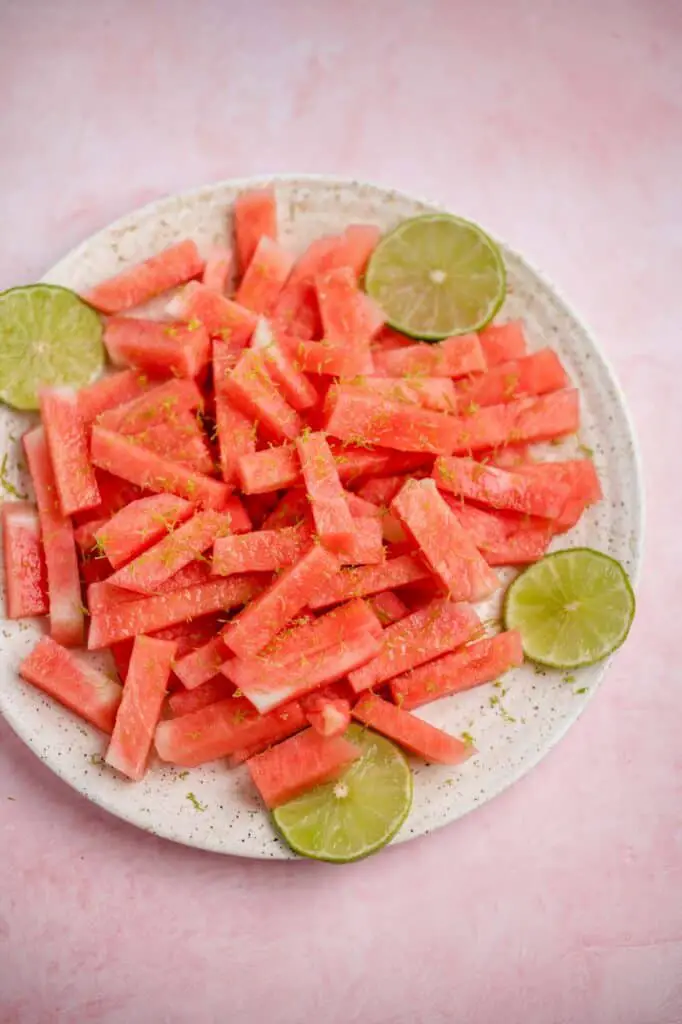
(436,276)
(49,337)
(359,813)
(572,608)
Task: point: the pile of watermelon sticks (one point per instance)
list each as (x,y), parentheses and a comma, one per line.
(277,512)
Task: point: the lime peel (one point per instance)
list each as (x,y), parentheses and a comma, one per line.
(572,608)
(356,814)
(49,337)
(436,276)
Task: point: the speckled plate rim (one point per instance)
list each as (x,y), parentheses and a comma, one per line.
(276,849)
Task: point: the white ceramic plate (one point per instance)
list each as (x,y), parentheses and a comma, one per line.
(537,707)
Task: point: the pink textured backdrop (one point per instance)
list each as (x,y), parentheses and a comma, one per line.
(559,126)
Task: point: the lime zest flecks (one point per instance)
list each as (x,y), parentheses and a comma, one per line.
(194,802)
(496,702)
(6,484)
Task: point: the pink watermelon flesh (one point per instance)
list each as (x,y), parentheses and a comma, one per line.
(420,637)
(454,357)
(103,596)
(184,702)
(261,551)
(200,665)
(149,614)
(388,607)
(255,627)
(255,217)
(187,636)
(362,418)
(536,374)
(110,391)
(274,469)
(139,525)
(180,439)
(218,269)
(265,276)
(298,764)
(222,317)
(328,715)
(323,358)
(477,663)
(411,732)
(503,538)
(369,579)
(520,548)
(282,369)
(280,685)
(360,508)
(292,509)
(67,441)
(296,311)
(236,434)
(502,342)
(61,560)
(520,421)
(579,475)
(350,318)
(310,654)
(250,388)
(220,729)
(501,488)
(307,635)
(445,546)
(436,393)
(140,708)
(159,349)
(74,683)
(175,265)
(152,472)
(334,524)
(158,406)
(353,415)
(85,536)
(366,546)
(25,572)
(182,545)
(115,494)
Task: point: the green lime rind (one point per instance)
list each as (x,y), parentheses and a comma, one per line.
(572,608)
(436,276)
(359,813)
(49,337)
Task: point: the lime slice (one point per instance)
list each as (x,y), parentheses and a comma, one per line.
(572,608)
(359,813)
(437,275)
(48,337)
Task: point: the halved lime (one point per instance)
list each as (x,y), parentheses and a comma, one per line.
(359,813)
(48,337)
(572,608)
(437,275)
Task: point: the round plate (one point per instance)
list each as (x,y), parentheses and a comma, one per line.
(536,706)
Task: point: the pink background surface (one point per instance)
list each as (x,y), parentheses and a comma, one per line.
(559,126)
